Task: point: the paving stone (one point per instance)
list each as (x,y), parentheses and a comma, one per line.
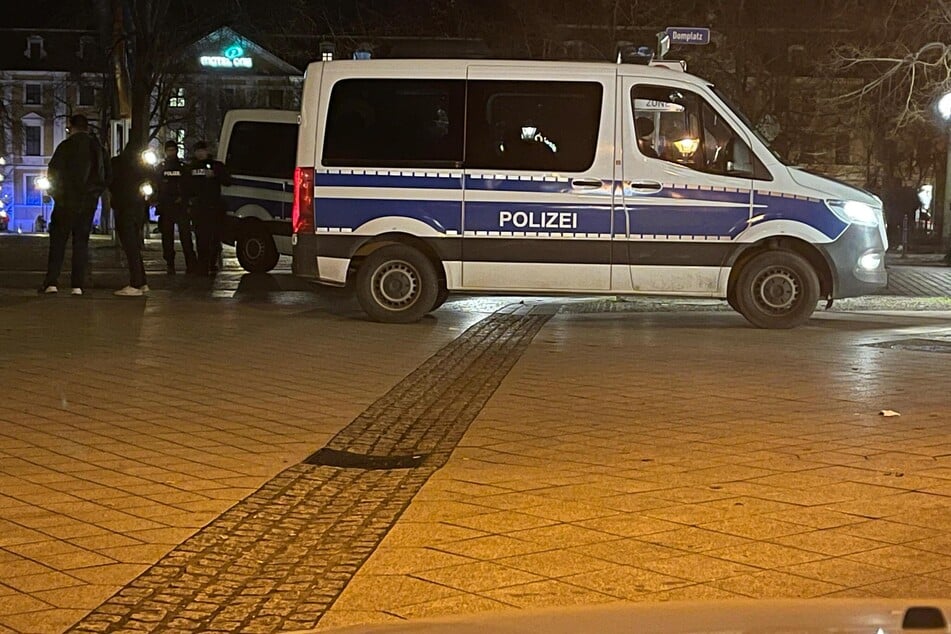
(320,523)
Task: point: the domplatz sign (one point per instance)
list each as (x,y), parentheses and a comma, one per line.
(232,57)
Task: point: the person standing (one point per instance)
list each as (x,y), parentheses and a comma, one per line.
(172,210)
(205,176)
(128,176)
(77,178)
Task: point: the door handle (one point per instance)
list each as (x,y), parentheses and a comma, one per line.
(586,183)
(645,187)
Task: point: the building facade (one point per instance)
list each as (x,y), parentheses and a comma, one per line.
(49,75)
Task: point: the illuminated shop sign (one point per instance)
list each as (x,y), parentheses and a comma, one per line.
(231,57)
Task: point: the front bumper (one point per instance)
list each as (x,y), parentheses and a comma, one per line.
(858,262)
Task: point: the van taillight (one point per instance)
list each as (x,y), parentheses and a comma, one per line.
(303,211)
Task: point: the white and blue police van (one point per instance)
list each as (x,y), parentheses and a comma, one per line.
(417,178)
(259,147)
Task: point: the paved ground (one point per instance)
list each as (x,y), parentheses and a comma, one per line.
(159,463)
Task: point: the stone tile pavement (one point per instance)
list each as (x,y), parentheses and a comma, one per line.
(625,456)
(654,458)
(127,426)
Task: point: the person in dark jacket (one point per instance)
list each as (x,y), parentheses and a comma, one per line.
(173,211)
(77,178)
(205,176)
(129,175)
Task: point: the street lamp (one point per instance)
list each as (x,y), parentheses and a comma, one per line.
(943,108)
(42,183)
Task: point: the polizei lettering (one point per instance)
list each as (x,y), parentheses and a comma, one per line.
(538,219)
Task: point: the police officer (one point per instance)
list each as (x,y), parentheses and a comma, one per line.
(172,210)
(205,178)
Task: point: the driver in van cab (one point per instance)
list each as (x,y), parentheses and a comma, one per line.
(644,129)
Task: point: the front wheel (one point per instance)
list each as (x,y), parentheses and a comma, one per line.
(397,284)
(777,289)
(255,248)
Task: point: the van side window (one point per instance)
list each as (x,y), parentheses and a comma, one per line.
(678,126)
(533,125)
(395,123)
(267,149)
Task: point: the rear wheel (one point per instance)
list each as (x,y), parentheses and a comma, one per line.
(776,289)
(397,284)
(255,248)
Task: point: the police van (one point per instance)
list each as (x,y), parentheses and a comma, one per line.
(260,148)
(417,178)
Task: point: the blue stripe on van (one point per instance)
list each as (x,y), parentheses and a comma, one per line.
(484,216)
(813,213)
(442,215)
(664,220)
(251,182)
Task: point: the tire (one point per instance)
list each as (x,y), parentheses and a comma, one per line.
(777,289)
(255,248)
(441,297)
(397,284)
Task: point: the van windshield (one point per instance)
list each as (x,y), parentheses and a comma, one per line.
(746,121)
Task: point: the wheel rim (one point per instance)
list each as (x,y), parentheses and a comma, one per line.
(395,285)
(253,248)
(777,290)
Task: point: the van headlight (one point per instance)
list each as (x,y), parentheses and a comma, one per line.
(853,211)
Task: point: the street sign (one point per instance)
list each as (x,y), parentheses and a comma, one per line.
(688,35)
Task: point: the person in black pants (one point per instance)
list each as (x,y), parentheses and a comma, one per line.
(205,176)
(77,178)
(128,176)
(172,210)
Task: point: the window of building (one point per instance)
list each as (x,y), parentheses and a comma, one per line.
(843,148)
(275,98)
(86,46)
(680,127)
(33,94)
(178,135)
(533,125)
(34,48)
(33,140)
(395,123)
(177,98)
(267,149)
(87,95)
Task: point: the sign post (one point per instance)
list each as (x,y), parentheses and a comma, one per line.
(697,36)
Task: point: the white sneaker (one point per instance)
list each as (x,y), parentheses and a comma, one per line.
(129,291)
(50,290)
(144,288)
(76,291)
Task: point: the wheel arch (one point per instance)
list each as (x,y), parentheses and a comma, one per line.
(817,258)
(377,242)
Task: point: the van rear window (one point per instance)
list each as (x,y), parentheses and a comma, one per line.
(395,123)
(267,149)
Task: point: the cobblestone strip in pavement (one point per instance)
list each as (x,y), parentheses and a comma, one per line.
(279,558)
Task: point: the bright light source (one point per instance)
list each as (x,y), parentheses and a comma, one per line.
(146,190)
(944,106)
(870,261)
(687,146)
(42,183)
(3,161)
(1,178)
(149,157)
